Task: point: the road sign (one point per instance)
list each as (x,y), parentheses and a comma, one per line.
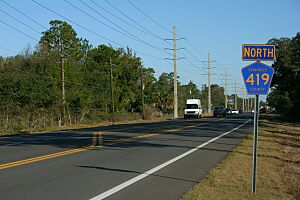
(257,77)
(258,52)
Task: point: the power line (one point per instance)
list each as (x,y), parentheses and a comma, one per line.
(163,28)
(193,56)
(153,20)
(89,30)
(19,21)
(194,48)
(74,6)
(182,69)
(124,33)
(68,82)
(77,25)
(73,22)
(145,29)
(132,20)
(160,26)
(190,63)
(124,21)
(18,30)
(132,36)
(24,14)
(116,16)
(130,2)
(8,50)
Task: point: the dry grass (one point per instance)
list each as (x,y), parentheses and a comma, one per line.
(278,167)
(78,126)
(70,127)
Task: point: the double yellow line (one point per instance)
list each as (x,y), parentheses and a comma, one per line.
(81,149)
(109,142)
(64,153)
(45,157)
(178,129)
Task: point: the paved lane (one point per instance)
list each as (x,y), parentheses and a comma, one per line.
(90,173)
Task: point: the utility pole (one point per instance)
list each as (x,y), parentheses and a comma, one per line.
(112,91)
(175,76)
(175,70)
(63,110)
(235,96)
(248,104)
(243,103)
(142,93)
(225,88)
(209,61)
(209,89)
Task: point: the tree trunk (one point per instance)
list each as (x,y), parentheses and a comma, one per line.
(70,121)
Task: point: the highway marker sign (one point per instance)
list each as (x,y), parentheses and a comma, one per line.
(257,77)
(258,52)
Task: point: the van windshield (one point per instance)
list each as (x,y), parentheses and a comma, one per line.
(191,106)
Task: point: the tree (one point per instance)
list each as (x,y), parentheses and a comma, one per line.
(61,41)
(286,88)
(217,96)
(164,94)
(62,38)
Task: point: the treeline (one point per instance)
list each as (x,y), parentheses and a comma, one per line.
(31,93)
(30,83)
(285,95)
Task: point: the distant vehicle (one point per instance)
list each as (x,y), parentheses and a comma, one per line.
(235,112)
(240,111)
(219,111)
(263,110)
(193,109)
(228,111)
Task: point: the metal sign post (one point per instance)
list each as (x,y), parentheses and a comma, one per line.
(257,77)
(255,140)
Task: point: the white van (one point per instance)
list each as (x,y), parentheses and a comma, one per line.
(193,108)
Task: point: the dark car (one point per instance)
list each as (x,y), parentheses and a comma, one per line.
(263,110)
(228,111)
(219,111)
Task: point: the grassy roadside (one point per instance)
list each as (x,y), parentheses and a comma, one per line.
(70,127)
(278,167)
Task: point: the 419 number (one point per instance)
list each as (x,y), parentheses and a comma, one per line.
(264,77)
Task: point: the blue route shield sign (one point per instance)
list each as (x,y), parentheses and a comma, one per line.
(257,78)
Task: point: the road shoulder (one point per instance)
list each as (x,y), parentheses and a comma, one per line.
(278,167)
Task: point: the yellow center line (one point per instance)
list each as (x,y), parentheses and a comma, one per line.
(45,157)
(131,138)
(81,149)
(178,129)
(127,128)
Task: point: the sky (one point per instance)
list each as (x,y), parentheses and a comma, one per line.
(217,27)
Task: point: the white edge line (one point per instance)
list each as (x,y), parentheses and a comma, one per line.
(155,169)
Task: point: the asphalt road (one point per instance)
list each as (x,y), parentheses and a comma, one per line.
(160,160)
